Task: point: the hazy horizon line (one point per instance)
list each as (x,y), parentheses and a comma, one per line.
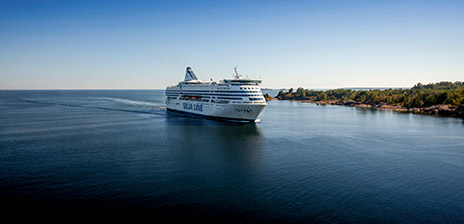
(263,88)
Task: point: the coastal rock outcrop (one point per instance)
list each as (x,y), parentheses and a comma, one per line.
(439,109)
(460,111)
(269,98)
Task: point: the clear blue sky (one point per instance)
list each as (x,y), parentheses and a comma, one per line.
(147,44)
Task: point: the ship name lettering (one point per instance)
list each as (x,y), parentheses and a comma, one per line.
(194,107)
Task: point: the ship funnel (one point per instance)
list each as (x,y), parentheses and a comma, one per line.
(190,75)
(237,75)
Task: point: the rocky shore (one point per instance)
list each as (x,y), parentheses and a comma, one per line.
(441,109)
(269,98)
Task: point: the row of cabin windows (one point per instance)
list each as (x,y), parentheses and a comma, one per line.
(244,110)
(248,87)
(255,98)
(227,98)
(212,91)
(229,87)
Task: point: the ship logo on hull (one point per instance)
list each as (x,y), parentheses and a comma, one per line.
(194,107)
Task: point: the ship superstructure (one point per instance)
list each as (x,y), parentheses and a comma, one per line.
(236,99)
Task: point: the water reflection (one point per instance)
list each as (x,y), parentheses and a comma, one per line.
(218,163)
(205,145)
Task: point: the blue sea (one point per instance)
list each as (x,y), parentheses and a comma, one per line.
(119,152)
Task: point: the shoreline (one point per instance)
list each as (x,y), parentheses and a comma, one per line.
(441,109)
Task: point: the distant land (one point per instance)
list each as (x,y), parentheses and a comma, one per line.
(352,88)
(443,98)
(373,88)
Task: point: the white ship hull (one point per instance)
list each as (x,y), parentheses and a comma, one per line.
(236,112)
(231,99)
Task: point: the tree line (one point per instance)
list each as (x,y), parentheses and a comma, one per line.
(420,95)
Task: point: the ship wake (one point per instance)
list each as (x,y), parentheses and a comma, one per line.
(154,108)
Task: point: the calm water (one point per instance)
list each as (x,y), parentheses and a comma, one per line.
(106,151)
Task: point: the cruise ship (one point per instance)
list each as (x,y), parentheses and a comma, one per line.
(236,99)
